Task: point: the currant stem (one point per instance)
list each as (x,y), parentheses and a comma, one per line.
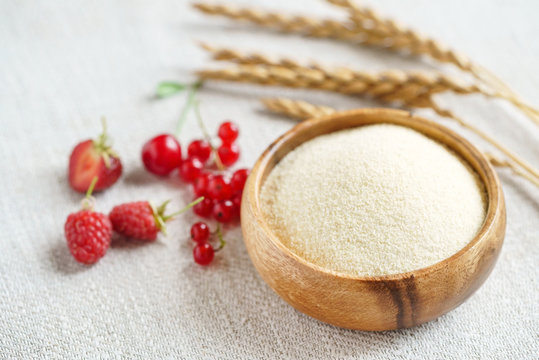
(169,88)
(207,136)
(201,124)
(187,207)
(222,241)
(188,103)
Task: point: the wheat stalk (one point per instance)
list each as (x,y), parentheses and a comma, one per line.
(449,114)
(304,110)
(495,161)
(380,32)
(227,54)
(407,88)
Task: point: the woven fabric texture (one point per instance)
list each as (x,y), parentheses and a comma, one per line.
(65,63)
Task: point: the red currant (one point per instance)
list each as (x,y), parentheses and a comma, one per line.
(200,232)
(203,254)
(228,153)
(237,182)
(200,149)
(200,184)
(162,154)
(218,188)
(190,169)
(223,211)
(204,208)
(236,201)
(228,132)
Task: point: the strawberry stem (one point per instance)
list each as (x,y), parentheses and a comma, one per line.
(102,144)
(104,124)
(188,103)
(207,136)
(187,207)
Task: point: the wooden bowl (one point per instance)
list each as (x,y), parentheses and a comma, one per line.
(377,302)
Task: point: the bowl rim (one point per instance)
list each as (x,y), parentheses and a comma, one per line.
(484,170)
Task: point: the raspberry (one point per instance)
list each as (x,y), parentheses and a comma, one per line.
(140,220)
(135,220)
(88,235)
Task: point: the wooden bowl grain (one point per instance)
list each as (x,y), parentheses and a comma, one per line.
(381,302)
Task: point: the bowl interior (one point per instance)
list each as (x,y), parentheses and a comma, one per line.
(310,129)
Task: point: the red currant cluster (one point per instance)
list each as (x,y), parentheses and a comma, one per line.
(203,251)
(221,190)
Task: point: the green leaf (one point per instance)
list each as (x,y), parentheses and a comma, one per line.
(166,89)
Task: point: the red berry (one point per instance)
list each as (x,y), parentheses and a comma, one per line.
(88,235)
(200,149)
(223,211)
(203,254)
(236,200)
(200,184)
(162,154)
(228,153)
(190,169)
(219,188)
(200,232)
(228,132)
(90,159)
(204,208)
(135,220)
(237,182)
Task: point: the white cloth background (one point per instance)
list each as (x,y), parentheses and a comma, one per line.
(63,64)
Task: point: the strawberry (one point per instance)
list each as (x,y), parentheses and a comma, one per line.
(141,220)
(91,158)
(88,233)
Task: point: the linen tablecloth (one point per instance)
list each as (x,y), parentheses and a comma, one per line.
(64,64)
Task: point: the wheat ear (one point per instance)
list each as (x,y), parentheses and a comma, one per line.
(296,109)
(394,36)
(387,32)
(304,110)
(227,54)
(324,28)
(410,89)
(397,38)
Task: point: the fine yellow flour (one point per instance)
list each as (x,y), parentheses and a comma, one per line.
(374,200)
